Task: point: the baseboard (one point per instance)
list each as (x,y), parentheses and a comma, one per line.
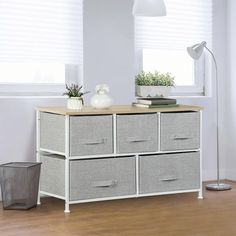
(231,175)
(211,175)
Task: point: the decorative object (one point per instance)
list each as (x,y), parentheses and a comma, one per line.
(195,52)
(75,103)
(101,100)
(149,8)
(153,84)
(75,100)
(156,101)
(151,102)
(136,104)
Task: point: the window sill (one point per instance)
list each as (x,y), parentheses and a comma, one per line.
(190,96)
(34,96)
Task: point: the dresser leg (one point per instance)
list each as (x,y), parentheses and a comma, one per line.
(38,200)
(200,194)
(67,208)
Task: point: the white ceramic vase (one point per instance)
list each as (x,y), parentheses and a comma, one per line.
(75,103)
(101,100)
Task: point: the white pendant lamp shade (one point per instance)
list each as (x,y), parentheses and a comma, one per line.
(196,50)
(149,8)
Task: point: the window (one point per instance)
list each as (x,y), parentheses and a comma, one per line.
(161,43)
(32,73)
(41,46)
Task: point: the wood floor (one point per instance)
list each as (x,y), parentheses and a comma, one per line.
(177,215)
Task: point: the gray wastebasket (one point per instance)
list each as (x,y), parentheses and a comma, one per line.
(19,184)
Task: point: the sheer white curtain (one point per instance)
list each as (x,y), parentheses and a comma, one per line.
(187,22)
(41,31)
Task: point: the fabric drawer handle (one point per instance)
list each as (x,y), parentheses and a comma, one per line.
(138,140)
(169,179)
(93,142)
(181,137)
(105,183)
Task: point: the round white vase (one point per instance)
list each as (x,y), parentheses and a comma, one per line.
(75,103)
(101,100)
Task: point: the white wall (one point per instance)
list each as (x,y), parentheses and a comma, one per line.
(209,103)
(230,94)
(109,47)
(17,127)
(109,58)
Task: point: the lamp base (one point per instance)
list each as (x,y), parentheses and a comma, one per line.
(218,187)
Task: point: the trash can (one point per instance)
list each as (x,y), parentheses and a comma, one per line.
(19,184)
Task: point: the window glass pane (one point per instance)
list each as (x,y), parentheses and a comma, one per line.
(32,73)
(178,63)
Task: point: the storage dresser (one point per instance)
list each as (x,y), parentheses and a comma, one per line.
(120,152)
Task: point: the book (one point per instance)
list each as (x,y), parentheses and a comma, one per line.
(156,101)
(154,106)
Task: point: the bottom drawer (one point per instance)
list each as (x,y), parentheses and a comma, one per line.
(98,178)
(52,179)
(169,172)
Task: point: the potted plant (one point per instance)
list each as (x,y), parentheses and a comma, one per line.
(75,100)
(155,84)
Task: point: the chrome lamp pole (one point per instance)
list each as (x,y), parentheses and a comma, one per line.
(195,52)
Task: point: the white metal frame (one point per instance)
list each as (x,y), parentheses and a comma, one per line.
(38,147)
(200,194)
(68,158)
(67,164)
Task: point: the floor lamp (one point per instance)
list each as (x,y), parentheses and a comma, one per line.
(195,52)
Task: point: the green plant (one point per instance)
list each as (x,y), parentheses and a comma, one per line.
(74,90)
(154,79)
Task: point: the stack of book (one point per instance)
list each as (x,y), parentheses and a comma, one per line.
(155,102)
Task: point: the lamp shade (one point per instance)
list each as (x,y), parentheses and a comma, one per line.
(196,50)
(149,8)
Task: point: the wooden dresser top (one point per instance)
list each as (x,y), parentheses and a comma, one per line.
(118,109)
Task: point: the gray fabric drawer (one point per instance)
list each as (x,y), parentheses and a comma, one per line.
(137,133)
(52,179)
(52,132)
(180,131)
(91,135)
(98,178)
(169,172)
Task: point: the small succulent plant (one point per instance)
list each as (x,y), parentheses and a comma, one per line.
(74,90)
(154,79)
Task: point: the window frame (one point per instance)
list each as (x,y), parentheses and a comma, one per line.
(57,39)
(29,89)
(73,74)
(155,33)
(200,77)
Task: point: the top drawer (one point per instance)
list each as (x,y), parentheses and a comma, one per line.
(180,131)
(52,132)
(91,135)
(137,133)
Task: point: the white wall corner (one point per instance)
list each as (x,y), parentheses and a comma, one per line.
(211,174)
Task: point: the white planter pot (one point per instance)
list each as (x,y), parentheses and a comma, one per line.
(75,103)
(152,91)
